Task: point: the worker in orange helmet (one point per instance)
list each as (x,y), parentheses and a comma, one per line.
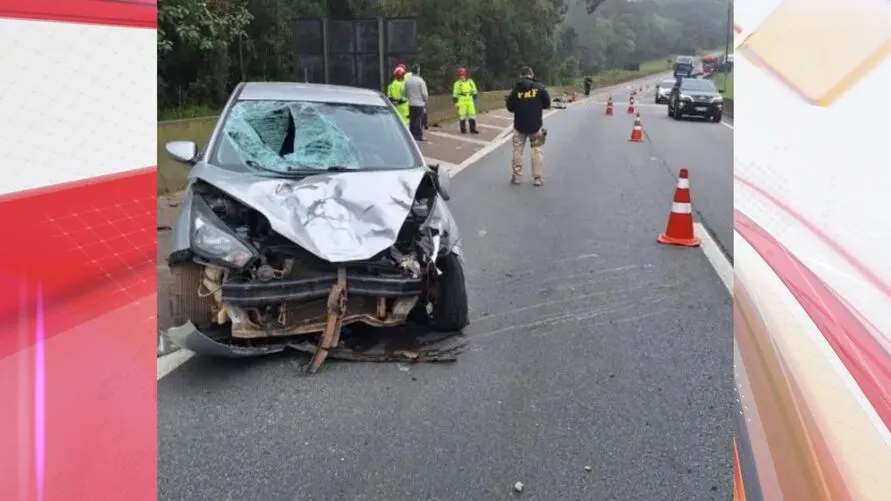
(396,93)
(464,95)
(404,67)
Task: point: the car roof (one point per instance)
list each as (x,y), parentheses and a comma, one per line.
(321,93)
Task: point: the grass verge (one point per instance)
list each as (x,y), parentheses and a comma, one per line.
(724,81)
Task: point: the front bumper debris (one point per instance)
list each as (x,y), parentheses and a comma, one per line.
(409,343)
(404,343)
(316,287)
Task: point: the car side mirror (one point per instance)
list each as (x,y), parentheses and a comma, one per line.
(443,181)
(183,151)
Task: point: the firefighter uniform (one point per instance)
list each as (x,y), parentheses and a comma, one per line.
(464,94)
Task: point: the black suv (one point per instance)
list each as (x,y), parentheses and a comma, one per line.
(695,97)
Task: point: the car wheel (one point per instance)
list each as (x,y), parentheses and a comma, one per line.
(185,303)
(449,310)
(717,118)
(676,115)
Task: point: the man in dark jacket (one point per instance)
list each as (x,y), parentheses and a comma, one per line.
(527,101)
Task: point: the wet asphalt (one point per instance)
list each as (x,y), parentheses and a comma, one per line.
(590,346)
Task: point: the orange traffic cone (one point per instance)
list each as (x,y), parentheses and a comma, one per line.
(609,106)
(631,106)
(637,130)
(679,230)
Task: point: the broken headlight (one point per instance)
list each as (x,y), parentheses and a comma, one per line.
(210,240)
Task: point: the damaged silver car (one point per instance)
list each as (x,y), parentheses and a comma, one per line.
(311,209)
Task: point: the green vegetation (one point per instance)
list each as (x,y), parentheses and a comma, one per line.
(721,84)
(606,78)
(204,48)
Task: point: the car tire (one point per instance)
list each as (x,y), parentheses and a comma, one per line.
(717,118)
(450,311)
(676,115)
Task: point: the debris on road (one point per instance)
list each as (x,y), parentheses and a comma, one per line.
(518,487)
(588,469)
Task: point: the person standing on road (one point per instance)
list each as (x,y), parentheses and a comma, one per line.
(416,93)
(464,95)
(588,83)
(527,101)
(396,93)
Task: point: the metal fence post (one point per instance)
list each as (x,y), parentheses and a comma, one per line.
(325,49)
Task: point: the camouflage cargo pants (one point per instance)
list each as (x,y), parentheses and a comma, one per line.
(536,144)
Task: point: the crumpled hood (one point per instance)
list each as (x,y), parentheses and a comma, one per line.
(339,217)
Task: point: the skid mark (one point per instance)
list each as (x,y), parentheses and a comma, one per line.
(577,317)
(612,293)
(521,281)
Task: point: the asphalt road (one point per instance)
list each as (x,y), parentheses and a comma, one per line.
(591,346)
(706,150)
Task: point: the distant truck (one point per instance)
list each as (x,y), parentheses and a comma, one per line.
(709,63)
(683,66)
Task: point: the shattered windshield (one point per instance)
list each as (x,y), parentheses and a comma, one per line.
(288,136)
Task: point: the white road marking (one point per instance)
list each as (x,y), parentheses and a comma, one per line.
(500,116)
(448,166)
(491,146)
(725,124)
(487,126)
(715,256)
(169,362)
(448,135)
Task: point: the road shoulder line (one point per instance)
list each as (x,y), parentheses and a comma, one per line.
(715,256)
(447,135)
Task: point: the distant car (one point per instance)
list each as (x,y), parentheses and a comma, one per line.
(696,97)
(663,89)
(310,209)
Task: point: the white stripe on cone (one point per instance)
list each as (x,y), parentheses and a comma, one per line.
(683,183)
(681,208)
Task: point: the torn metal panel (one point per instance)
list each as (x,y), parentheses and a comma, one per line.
(339,217)
(392,345)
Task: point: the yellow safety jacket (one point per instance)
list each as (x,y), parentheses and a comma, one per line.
(396,91)
(396,94)
(464,89)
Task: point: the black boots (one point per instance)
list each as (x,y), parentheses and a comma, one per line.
(463,124)
(473,127)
